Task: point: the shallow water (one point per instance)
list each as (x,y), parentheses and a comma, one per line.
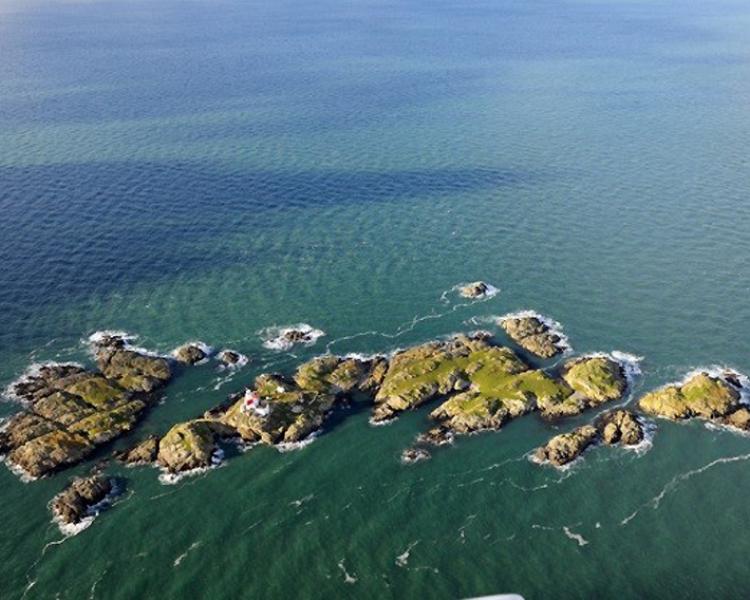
(207,170)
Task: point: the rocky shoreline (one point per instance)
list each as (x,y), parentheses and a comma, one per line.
(473,383)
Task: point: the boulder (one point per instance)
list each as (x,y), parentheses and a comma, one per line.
(229,358)
(620,427)
(412,455)
(476,289)
(79,498)
(189,354)
(132,370)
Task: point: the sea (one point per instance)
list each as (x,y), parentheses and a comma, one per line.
(210,170)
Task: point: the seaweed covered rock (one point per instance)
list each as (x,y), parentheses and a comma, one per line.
(566,447)
(190,354)
(591,381)
(702,395)
(144,452)
(278,410)
(475,289)
(192,445)
(80,497)
(620,427)
(533,334)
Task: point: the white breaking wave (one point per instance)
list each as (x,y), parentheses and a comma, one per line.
(575,536)
(98,337)
(291,446)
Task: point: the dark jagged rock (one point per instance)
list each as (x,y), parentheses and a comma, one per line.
(533,335)
(620,427)
(437,436)
(230,358)
(77,501)
(616,427)
(412,455)
(476,289)
(190,354)
(142,453)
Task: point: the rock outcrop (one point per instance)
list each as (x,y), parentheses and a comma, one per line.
(617,427)
(590,381)
(476,289)
(702,395)
(132,370)
(142,453)
(487,384)
(190,354)
(620,427)
(566,447)
(70,410)
(533,335)
(80,499)
(192,445)
(230,358)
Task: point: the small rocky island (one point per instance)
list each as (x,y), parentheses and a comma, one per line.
(81,499)
(476,289)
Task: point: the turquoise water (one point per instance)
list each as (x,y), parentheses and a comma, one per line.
(203,170)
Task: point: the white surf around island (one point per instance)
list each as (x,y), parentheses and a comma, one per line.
(490,292)
(277,338)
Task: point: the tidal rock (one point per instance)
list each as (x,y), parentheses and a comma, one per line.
(702,395)
(189,354)
(591,381)
(565,448)
(437,436)
(739,419)
(192,445)
(79,499)
(230,358)
(476,289)
(143,453)
(533,334)
(412,455)
(620,427)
